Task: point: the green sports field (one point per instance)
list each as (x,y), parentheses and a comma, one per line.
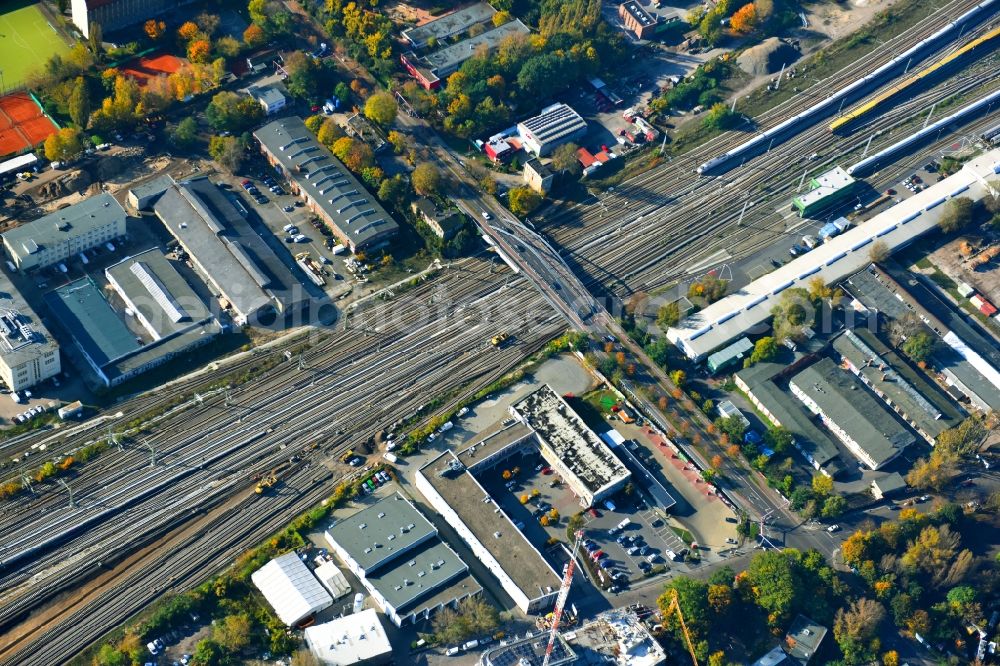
(26,41)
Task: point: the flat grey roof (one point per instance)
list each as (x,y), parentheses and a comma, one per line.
(464,494)
(451,24)
(806,637)
(815,442)
(212,230)
(890,482)
(71,222)
(267,95)
(152,187)
(885,371)
(553,123)
(81,308)
(570,439)
(846,402)
(452,56)
(432,569)
(159,292)
(381,532)
(355,212)
(27,338)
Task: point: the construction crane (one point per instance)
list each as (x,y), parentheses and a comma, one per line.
(561,598)
(676,606)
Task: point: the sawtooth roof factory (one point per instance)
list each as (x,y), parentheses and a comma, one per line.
(331,191)
(554,126)
(851,413)
(241,269)
(59,235)
(450,484)
(169,318)
(398,556)
(587,464)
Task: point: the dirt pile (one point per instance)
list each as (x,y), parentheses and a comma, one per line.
(767,57)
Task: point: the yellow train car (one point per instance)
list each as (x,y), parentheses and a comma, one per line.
(916,78)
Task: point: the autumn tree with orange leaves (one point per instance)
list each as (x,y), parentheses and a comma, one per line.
(155,29)
(199,50)
(745,19)
(188,31)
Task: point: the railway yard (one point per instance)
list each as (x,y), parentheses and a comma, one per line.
(670,224)
(171,501)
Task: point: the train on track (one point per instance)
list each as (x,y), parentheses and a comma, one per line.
(858,87)
(926,72)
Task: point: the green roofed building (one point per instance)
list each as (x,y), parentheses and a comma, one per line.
(730,356)
(825,190)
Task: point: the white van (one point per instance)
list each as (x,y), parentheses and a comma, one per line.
(623,524)
(452,651)
(391,457)
(447,426)
(288,227)
(471,645)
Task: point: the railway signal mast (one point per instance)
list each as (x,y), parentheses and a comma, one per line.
(561,598)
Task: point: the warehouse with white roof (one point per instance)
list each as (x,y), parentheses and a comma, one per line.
(353,639)
(291,589)
(747,311)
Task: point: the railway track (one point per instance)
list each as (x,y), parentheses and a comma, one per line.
(423,346)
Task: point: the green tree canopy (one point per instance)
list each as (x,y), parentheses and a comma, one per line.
(381,108)
(523,200)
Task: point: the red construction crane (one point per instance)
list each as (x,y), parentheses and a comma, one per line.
(561,599)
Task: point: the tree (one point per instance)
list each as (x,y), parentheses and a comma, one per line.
(228,151)
(207,653)
(833,506)
(234,632)
(744,20)
(523,200)
(79,103)
(669,315)
(188,31)
(394,192)
(716,462)
(154,29)
(253,36)
(678,377)
(108,655)
(793,311)
(957,215)
(426,179)
(919,346)
(329,132)
(565,159)
(381,108)
(879,252)
(96,39)
(692,598)
(397,140)
(856,629)
(933,472)
(63,145)
(199,51)
(185,134)
(764,350)
(228,47)
(230,112)
(720,117)
(822,485)
(207,22)
(303,75)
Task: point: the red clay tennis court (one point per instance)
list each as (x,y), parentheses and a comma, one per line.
(146,68)
(23,125)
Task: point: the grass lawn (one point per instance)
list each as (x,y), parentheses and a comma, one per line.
(26,41)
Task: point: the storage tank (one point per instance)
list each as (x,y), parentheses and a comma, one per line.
(359,602)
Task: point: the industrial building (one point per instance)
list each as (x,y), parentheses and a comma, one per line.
(888,485)
(401,560)
(169,318)
(908,394)
(444,223)
(142,197)
(449,25)
(554,126)
(851,413)
(583,460)
(329,190)
(968,360)
(357,639)
(291,589)
(647,22)
(64,233)
(763,385)
(113,15)
(825,190)
(538,176)
(450,484)
(28,353)
(729,357)
(747,311)
(248,278)
(430,69)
